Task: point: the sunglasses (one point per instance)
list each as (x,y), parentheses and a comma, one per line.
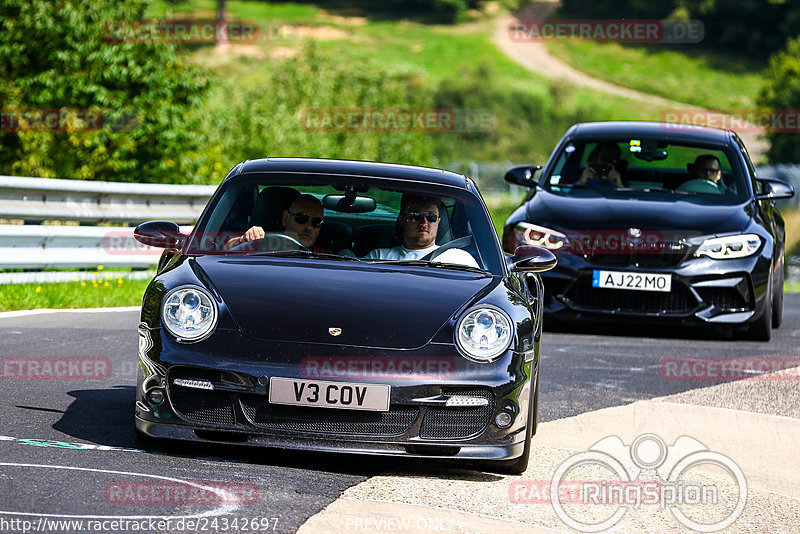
(415,216)
(302,218)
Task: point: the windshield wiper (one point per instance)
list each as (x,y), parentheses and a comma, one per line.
(299,253)
(436,264)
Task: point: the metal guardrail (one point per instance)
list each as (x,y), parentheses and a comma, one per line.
(38,247)
(77,247)
(37,199)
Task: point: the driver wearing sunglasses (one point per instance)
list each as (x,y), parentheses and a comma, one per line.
(418,223)
(302,221)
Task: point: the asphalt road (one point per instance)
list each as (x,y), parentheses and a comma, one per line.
(66,446)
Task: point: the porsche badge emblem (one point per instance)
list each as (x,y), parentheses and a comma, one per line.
(334,331)
(634,232)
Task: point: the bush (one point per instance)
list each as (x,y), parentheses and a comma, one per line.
(753,27)
(782,92)
(273,115)
(55,56)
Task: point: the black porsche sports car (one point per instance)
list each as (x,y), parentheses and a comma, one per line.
(340,336)
(655,222)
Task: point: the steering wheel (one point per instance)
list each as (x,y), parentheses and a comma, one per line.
(700,185)
(461,242)
(271,242)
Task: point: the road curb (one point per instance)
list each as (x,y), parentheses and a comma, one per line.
(734,433)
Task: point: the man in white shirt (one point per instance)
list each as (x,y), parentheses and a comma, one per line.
(419,223)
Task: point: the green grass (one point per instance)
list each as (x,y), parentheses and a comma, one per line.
(102,293)
(688,75)
(792,221)
(236,9)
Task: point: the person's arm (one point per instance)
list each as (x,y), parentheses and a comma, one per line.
(253,233)
(616,178)
(587,175)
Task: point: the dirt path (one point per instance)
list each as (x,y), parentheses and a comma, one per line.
(536,58)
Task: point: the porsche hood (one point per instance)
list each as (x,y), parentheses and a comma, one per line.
(343,303)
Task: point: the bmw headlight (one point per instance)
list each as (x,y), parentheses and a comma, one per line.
(483,333)
(539,236)
(734,246)
(189,313)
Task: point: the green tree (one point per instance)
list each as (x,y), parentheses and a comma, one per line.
(782,92)
(60,55)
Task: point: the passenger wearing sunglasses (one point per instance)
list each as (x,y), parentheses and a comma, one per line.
(302,221)
(418,224)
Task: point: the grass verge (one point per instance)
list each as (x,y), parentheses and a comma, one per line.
(99,293)
(691,76)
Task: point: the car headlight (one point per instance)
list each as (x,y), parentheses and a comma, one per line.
(483,333)
(189,313)
(539,236)
(734,246)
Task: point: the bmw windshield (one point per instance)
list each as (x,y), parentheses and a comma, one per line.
(647,168)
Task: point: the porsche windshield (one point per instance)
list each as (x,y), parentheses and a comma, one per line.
(645,167)
(350,219)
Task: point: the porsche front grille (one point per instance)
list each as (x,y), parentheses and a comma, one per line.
(262,414)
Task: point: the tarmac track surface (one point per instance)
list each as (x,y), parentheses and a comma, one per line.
(67,445)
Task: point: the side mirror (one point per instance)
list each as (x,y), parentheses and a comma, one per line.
(161,234)
(522,175)
(530,259)
(773,189)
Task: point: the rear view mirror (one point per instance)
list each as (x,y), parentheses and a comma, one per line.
(348,203)
(530,259)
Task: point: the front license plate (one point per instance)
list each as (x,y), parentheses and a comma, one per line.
(633,281)
(322,394)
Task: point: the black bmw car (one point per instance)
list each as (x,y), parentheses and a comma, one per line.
(655,222)
(324,339)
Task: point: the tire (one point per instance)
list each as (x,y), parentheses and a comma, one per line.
(761,330)
(520,465)
(777,299)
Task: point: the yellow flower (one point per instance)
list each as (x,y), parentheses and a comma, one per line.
(99,267)
(106,284)
(38,289)
(75,279)
(119,282)
(83,284)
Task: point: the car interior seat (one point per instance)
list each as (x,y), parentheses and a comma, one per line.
(270,205)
